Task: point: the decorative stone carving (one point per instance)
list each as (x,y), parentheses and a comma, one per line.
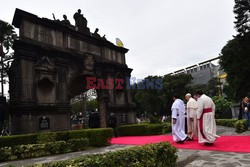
(89,62)
(45,63)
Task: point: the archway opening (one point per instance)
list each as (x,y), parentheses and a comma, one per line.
(84,105)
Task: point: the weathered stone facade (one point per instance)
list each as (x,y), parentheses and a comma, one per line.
(51,63)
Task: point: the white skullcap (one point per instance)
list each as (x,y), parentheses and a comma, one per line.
(188,94)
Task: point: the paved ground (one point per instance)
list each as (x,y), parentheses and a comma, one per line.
(191,158)
(227,131)
(187,158)
(197,158)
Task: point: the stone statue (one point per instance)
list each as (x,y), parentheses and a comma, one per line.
(96,35)
(65,21)
(81,22)
(54,17)
(104,37)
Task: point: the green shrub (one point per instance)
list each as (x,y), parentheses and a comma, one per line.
(46,137)
(39,150)
(143,129)
(226,122)
(158,155)
(154,119)
(223,107)
(57,147)
(29,150)
(5,153)
(240,126)
(167,127)
(62,135)
(18,140)
(154,129)
(97,137)
(78,144)
(132,130)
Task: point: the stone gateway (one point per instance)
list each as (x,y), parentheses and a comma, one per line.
(51,63)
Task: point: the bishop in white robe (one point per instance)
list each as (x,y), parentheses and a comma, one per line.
(206,120)
(178,121)
(192,107)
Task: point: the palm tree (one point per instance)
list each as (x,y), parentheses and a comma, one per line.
(7,37)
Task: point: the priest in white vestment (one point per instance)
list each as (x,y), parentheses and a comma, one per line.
(206,120)
(192,107)
(178,120)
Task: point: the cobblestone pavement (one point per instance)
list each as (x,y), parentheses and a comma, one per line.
(186,158)
(197,158)
(191,158)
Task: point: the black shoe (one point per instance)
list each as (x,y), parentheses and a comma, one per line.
(180,142)
(208,144)
(188,139)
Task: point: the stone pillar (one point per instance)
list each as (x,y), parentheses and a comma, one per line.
(103,102)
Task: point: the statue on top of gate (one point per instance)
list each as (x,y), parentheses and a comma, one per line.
(81,22)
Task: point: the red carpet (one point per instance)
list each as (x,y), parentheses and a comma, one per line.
(224,143)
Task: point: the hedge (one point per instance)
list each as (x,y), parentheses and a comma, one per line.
(97,137)
(143,129)
(39,150)
(167,127)
(155,155)
(240,126)
(226,122)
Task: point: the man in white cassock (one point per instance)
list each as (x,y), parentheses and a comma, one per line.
(192,107)
(178,120)
(206,120)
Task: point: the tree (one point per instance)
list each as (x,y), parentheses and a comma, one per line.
(235,61)
(173,84)
(242,12)
(148,101)
(92,105)
(78,107)
(223,107)
(84,105)
(7,37)
(211,88)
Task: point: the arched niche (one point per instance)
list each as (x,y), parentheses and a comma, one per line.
(45,91)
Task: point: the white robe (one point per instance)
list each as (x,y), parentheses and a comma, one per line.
(192,107)
(209,125)
(178,112)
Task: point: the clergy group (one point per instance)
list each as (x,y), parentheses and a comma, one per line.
(200,114)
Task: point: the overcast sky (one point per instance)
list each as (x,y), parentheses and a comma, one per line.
(162,35)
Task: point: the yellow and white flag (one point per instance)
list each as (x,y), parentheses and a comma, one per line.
(119,42)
